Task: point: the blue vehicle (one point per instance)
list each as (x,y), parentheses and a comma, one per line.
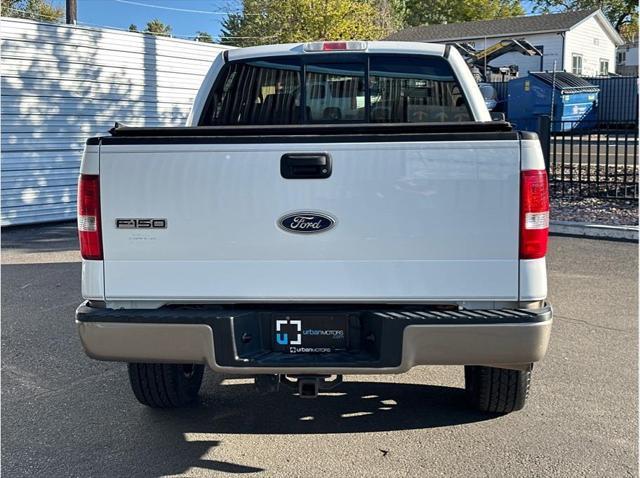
(489,95)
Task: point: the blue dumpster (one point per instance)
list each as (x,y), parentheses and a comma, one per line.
(574,101)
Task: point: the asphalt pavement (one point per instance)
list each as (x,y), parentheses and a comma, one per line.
(64,414)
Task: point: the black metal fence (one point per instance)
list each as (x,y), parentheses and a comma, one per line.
(617,100)
(595,161)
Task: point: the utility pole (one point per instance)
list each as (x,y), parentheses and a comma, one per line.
(484,47)
(72,12)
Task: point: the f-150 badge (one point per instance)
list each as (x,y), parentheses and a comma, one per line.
(146,223)
(306,222)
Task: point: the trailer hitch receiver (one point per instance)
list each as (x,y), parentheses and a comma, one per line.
(309,386)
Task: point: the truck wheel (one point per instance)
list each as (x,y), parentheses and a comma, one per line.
(160,385)
(496,390)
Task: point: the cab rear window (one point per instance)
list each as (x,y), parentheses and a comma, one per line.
(336,88)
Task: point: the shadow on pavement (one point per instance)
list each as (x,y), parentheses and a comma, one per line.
(353,407)
(58,237)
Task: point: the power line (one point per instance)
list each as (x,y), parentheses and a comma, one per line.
(175,9)
(181,37)
(53,19)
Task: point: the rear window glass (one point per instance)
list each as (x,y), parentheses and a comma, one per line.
(257,92)
(343,97)
(415,92)
(314,89)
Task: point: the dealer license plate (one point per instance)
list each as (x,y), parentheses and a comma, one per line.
(309,333)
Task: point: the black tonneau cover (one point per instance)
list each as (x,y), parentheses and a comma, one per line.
(120,130)
(321,133)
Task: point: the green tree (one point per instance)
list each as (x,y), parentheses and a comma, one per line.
(42,10)
(629,31)
(156,27)
(133,28)
(619,12)
(267,21)
(204,37)
(233,27)
(419,12)
(391,14)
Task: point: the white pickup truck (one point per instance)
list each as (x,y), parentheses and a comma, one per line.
(280,241)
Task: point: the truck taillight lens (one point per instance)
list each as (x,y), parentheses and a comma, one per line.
(89,217)
(534,214)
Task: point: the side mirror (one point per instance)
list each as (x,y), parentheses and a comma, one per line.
(497,116)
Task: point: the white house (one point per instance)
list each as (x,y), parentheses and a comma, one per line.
(627,59)
(582,42)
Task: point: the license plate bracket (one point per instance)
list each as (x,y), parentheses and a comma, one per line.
(317,333)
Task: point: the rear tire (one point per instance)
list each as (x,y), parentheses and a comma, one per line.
(158,385)
(496,390)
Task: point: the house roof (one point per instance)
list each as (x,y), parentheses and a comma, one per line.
(549,22)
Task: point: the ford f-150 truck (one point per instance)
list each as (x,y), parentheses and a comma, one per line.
(296,244)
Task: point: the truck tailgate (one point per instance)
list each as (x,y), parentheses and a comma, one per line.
(415,221)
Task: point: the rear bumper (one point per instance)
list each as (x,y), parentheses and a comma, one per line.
(512,338)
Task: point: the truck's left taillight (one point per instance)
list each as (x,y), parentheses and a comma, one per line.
(89,217)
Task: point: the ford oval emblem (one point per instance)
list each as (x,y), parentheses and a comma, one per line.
(306,222)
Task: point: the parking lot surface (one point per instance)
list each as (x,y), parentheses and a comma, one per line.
(66,415)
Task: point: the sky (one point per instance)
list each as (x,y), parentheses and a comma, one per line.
(121,14)
(205,15)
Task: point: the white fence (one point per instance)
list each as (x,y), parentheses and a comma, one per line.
(62,84)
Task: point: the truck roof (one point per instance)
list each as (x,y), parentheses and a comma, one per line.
(371,47)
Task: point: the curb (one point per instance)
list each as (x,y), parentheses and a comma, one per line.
(595,231)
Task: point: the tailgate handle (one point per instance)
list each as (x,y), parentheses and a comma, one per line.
(305,166)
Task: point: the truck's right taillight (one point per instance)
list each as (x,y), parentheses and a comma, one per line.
(89,217)
(534,214)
